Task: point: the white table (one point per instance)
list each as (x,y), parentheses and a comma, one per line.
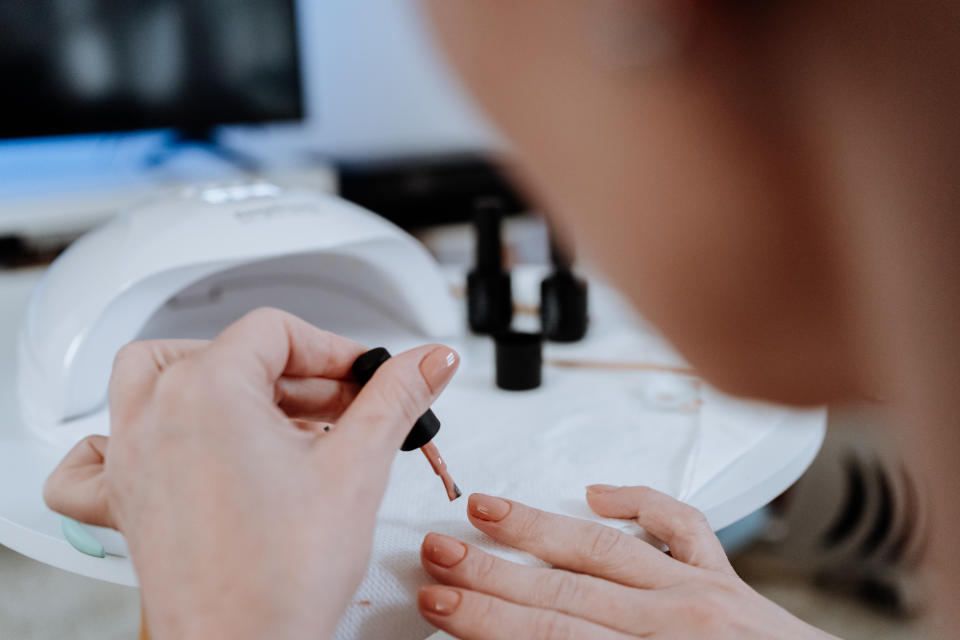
(770,467)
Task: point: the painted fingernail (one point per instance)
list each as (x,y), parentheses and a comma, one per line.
(443,550)
(439,600)
(438,366)
(488,508)
(601,488)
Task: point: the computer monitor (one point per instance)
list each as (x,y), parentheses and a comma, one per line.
(95,66)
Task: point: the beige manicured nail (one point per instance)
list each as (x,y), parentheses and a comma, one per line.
(488,508)
(438,366)
(439,600)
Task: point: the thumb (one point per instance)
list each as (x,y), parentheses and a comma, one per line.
(400,391)
(77,488)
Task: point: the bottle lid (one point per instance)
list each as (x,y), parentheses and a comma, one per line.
(563,307)
(366,365)
(519,358)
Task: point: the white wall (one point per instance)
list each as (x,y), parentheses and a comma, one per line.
(376,85)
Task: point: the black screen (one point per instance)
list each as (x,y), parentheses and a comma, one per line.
(87,66)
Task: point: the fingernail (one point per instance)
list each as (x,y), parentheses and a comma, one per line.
(438,366)
(439,600)
(443,550)
(601,488)
(488,508)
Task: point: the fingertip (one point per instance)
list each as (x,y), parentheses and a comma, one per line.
(428,540)
(599,507)
(601,489)
(487,509)
(608,501)
(423,598)
(436,600)
(599,495)
(438,366)
(442,551)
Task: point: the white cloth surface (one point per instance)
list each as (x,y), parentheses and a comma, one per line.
(541,448)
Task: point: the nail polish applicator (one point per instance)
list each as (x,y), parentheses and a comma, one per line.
(563,299)
(489,299)
(423,430)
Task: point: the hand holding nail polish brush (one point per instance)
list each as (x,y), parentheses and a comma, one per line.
(423,430)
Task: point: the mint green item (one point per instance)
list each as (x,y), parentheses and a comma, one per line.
(80,539)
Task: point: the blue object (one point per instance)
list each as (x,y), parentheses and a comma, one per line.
(744,531)
(81,539)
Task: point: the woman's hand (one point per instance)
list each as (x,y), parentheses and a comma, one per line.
(244,517)
(603,585)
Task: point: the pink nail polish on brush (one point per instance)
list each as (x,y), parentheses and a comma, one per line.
(440,468)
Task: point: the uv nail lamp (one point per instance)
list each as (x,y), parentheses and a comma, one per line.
(187,265)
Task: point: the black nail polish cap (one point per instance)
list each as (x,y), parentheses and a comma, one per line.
(519,360)
(489,299)
(425,428)
(563,300)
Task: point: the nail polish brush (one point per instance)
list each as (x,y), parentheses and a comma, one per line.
(423,430)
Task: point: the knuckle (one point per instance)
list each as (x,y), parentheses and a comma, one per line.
(558,589)
(127,351)
(384,407)
(529,527)
(408,394)
(486,569)
(643,494)
(130,354)
(411,400)
(486,609)
(178,378)
(263,315)
(392,399)
(184,385)
(691,525)
(604,543)
(378,413)
(696,518)
(550,625)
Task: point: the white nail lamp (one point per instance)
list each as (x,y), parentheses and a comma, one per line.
(186,265)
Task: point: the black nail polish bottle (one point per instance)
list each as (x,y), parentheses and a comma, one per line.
(563,299)
(489,298)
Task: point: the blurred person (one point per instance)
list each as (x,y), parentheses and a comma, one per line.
(774,184)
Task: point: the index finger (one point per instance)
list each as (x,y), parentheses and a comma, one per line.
(576,545)
(270,343)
